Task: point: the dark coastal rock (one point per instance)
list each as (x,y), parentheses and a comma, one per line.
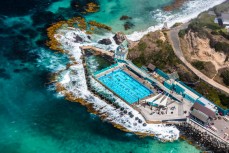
(125,17)
(105,41)
(78,39)
(4,74)
(119,38)
(128,25)
(202,139)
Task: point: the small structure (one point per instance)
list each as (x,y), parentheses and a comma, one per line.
(200,116)
(186,91)
(151,67)
(225,19)
(203,101)
(164,102)
(152,99)
(169,84)
(174,76)
(212,13)
(158,101)
(122,50)
(201,113)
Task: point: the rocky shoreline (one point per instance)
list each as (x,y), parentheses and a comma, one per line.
(175,5)
(202,140)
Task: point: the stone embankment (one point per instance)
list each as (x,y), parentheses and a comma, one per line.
(203,140)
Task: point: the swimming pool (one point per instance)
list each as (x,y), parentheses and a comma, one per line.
(125,86)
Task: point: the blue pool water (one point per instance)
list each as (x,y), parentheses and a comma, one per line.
(125,86)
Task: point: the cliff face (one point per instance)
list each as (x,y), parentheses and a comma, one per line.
(200,49)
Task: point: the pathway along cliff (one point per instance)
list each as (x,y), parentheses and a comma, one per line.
(175,42)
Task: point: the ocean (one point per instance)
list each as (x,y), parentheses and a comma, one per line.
(33,117)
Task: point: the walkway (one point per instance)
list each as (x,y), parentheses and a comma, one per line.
(98,50)
(175,42)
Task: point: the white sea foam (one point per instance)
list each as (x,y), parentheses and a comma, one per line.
(188,11)
(50,61)
(74,81)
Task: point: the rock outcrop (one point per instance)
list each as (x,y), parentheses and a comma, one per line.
(78,39)
(119,38)
(105,41)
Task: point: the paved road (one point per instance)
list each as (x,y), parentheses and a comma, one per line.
(175,42)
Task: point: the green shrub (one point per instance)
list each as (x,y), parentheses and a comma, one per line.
(182,33)
(224,100)
(142,46)
(225,76)
(198,64)
(220,46)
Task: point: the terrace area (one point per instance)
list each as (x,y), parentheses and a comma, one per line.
(135,89)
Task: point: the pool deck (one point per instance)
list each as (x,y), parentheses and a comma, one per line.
(174,111)
(150,113)
(177,110)
(120,65)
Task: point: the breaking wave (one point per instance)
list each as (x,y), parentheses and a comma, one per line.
(188,11)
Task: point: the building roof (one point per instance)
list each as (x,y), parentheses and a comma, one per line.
(207,104)
(187,90)
(152,99)
(201,116)
(204,110)
(174,75)
(151,67)
(225,18)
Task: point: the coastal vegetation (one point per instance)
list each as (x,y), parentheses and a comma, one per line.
(198,64)
(205,27)
(204,38)
(153,49)
(182,33)
(206,68)
(177,24)
(225,76)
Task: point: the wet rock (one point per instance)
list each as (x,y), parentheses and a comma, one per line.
(16,70)
(4,74)
(105,41)
(125,17)
(128,25)
(78,39)
(119,38)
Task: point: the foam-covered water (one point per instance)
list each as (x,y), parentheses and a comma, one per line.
(79,89)
(188,11)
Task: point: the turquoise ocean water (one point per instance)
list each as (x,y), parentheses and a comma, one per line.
(33,118)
